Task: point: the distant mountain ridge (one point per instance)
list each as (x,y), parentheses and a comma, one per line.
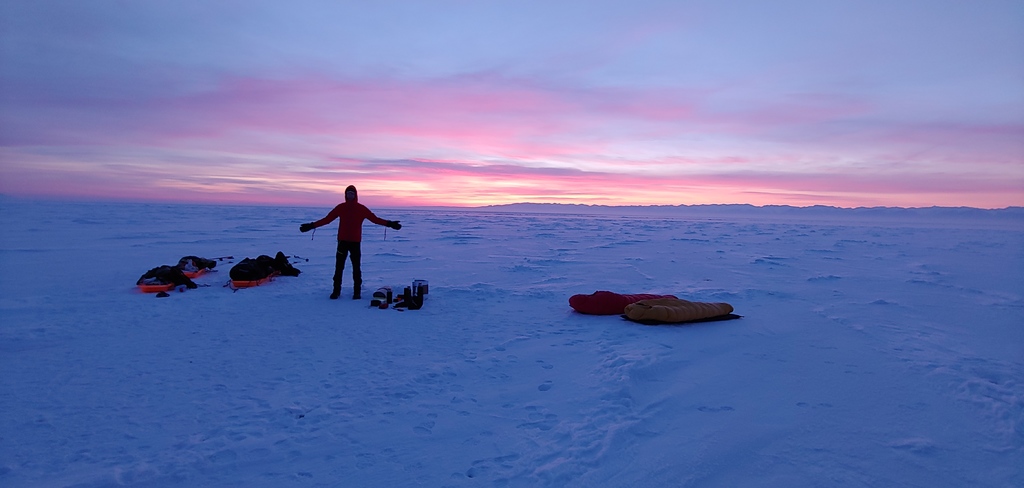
(711,210)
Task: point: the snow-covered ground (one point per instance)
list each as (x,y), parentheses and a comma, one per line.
(873,354)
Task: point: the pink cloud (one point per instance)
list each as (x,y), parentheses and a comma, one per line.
(410,182)
(479,140)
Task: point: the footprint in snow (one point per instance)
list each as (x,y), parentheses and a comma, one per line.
(822,405)
(922,446)
(224,456)
(424,428)
(724,408)
(544,422)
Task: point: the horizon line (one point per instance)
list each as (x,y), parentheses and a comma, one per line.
(79,199)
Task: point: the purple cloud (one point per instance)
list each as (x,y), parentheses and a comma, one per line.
(803,108)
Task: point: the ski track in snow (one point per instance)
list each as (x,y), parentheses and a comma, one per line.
(868,355)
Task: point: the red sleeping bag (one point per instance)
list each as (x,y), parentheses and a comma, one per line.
(607,302)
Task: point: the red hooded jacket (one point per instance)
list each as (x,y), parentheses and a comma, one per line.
(350,217)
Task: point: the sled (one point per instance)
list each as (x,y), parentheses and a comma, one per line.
(156,288)
(195,274)
(253,283)
(248,267)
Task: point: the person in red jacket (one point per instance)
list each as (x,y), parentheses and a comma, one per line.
(350,217)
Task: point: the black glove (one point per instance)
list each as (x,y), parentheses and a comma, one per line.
(394,224)
(306,227)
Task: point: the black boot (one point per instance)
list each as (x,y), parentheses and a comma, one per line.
(337,290)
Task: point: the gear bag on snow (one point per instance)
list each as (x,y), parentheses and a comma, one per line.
(262,267)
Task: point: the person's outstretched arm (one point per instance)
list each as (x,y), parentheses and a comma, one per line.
(308,226)
(379,221)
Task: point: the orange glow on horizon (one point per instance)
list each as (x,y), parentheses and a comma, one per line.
(489,141)
(454,187)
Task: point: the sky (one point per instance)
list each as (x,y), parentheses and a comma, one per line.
(464,103)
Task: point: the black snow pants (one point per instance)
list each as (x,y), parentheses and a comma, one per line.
(344,249)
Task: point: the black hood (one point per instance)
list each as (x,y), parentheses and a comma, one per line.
(352,188)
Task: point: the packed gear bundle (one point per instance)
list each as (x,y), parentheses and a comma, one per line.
(165,278)
(247,273)
(251,272)
(195,266)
